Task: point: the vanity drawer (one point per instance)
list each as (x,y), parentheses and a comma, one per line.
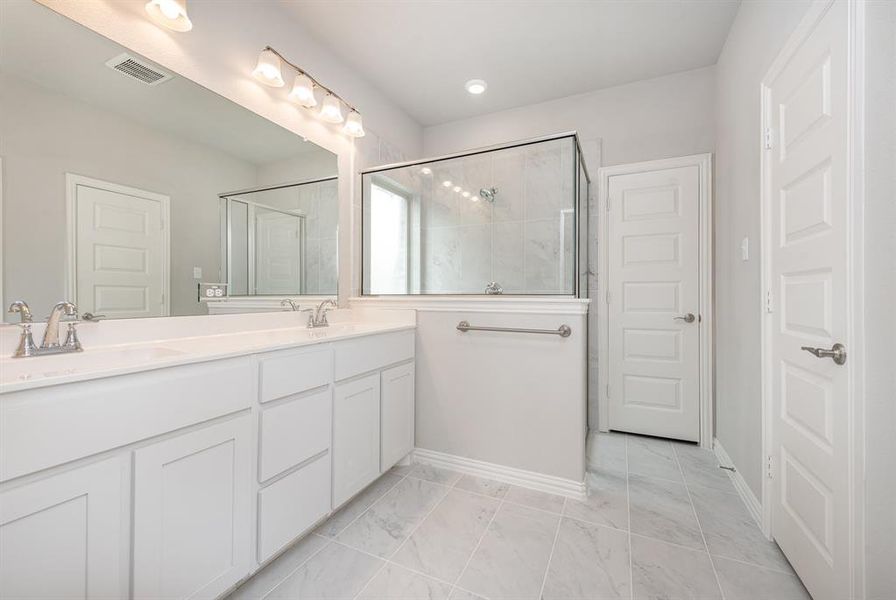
(291,505)
(290,372)
(45,427)
(293,432)
(364,354)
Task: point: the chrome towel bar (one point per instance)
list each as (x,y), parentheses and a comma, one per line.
(562,331)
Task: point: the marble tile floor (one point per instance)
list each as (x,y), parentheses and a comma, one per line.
(661,521)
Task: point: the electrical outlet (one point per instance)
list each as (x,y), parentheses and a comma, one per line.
(211,291)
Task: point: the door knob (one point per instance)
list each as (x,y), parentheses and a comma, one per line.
(837,353)
(688,318)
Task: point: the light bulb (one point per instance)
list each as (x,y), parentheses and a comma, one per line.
(475,198)
(331,110)
(303,91)
(457,188)
(267,70)
(426,171)
(170,13)
(353,126)
(466,194)
(446,183)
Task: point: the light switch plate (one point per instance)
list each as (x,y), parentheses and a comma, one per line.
(197,272)
(745,249)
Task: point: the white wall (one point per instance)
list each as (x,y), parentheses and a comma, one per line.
(46,135)
(880,297)
(757,35)
(646,120)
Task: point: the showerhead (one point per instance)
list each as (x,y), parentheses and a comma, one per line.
(489,194)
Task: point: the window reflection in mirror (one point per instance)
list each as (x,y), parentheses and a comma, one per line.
(112,184)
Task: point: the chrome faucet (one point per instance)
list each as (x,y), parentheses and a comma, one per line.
(293,305)
(50,343)
(318,316)
(494,288)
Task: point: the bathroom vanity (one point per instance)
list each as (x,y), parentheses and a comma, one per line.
(176,467)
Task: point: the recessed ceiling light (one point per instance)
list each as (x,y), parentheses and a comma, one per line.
(476,86)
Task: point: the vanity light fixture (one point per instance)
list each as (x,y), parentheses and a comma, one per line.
(476,86)
(267,69)
(331,110)
(353,126)
(269,72)
(170,13)
(303,91)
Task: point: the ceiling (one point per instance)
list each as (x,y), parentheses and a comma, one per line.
(420,52)
(70,59)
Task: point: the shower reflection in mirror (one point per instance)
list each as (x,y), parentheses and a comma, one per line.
(281,240)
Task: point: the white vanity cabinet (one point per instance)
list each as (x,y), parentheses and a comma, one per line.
(192,512)
(64,536)
(373,409)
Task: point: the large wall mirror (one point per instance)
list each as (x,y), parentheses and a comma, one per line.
(125,186)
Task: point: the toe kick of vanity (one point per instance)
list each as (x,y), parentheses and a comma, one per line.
(183,481)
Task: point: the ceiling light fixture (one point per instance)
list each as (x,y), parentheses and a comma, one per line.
(476,86)
(269,72)
(303,91)
(170,13)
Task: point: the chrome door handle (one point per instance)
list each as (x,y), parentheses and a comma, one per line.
(688,318)
(837,353)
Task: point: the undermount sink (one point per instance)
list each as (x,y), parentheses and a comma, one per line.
(19,369)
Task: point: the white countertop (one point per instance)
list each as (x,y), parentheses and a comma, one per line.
(98,361)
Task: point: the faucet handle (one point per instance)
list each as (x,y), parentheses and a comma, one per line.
(21,307)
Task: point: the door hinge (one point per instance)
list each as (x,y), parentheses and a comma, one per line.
(608,204)
(608,391)
(608,296)
(769,302)
(769,467)
(767,138)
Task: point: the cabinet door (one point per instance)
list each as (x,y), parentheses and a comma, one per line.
(356,436)
(397,401)
(192,512)
(64,537)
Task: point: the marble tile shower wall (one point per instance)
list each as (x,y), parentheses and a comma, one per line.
(524,240)
(320,203)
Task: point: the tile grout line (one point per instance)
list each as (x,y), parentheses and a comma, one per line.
(547,568)
(687,489)
(628,506)
(455,585)
(328,540)
(388,559)
(481,495)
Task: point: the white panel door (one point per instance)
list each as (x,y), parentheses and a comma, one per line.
(277,252)
(397,401)
(63,537)
(120,252)
(654,287)
(356,436)
(808,276)
(192,512)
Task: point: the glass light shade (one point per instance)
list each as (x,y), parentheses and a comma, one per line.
(170,13)
(331,110)
(353,126)
(303,91)
(267,70)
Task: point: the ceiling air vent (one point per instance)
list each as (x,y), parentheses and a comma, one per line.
(139,69)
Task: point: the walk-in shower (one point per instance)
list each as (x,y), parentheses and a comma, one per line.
(512,218)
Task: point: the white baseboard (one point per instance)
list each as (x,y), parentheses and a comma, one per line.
(754,507)
(527,479)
